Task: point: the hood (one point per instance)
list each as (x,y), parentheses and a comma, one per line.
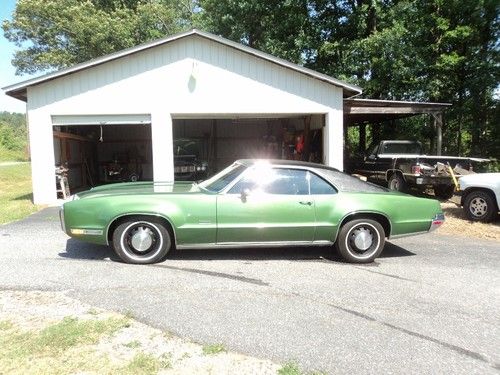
(481,177)
(142,188)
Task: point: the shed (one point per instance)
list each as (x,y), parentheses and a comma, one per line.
(140,113)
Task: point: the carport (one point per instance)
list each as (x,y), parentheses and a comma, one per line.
(363,112)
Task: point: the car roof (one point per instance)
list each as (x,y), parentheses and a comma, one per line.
(298,163)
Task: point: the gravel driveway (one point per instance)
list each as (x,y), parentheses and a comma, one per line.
(430,304)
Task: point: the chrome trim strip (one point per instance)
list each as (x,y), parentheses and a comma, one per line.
(61,219)
(235,245)
(362,212)
(143,214)
(407,235)
(90,232)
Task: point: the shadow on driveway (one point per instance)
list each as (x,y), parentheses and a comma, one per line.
(80,250)
(86,251)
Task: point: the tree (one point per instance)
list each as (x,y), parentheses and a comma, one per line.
(281,28)
(54,34)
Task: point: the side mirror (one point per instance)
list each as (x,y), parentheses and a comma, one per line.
(372,157)
(244,194)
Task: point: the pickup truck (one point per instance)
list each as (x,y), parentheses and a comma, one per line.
(401,165)
(480,196)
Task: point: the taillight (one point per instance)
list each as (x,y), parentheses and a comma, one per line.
(416,169)
(437,221)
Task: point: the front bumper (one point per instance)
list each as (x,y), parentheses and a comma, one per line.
(61,219)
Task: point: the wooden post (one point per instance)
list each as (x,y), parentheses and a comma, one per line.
(376,133)
(362,138)
(307,138)
(438,121)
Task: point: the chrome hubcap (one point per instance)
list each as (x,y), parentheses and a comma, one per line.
(363,239)
(142,239)
(478,207)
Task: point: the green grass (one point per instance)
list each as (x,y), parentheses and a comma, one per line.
(5,325)
(213,349)
(144,363)
(289,369)
(133,344)
(61,348)
(11,155)
(15,193)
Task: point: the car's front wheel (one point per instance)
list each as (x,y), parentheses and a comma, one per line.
(360,240)
(141,240)
(479,206)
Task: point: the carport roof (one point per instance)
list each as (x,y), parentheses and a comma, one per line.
(358,111)
(19,90)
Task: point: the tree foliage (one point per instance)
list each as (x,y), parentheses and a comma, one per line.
(54,34)
(13,136)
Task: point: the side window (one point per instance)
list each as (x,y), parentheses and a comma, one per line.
(289,182)
(274,181)
(320,186)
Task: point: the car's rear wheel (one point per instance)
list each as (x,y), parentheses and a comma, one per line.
(141,240)
(479,206)
(361,240)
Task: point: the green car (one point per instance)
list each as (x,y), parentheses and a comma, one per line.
(251,203)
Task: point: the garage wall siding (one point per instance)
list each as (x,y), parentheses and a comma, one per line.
(191,76)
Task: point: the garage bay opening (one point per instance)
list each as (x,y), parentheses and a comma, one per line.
(204,146)
(92,155)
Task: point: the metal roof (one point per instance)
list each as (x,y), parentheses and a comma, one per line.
(358,111)
(18,90)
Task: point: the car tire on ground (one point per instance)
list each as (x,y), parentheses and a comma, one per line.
(480,206)
(444,191)
(397,182)
(141,240)
(360,240)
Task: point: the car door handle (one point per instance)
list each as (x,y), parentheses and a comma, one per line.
(306,203)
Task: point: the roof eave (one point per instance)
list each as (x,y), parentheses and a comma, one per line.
(19,90)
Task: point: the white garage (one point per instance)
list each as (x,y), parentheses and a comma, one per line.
(128,115)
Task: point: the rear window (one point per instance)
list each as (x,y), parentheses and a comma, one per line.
(347,183)
(401,148)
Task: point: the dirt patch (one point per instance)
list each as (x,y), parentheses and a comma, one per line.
(34,325)
(457,225)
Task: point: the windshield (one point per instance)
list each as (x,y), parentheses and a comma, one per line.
(223,178)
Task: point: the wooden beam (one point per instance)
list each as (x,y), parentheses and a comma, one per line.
(387,110)
(71,136)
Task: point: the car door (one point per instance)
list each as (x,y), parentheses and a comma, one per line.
(325,197)
(268,204)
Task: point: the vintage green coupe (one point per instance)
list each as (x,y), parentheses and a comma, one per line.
(251,203)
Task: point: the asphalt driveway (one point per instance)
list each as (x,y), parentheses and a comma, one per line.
(430,304)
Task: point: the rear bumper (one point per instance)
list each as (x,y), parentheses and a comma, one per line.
(428,180)
(436,222)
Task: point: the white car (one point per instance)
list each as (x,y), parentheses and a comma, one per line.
(480,195)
